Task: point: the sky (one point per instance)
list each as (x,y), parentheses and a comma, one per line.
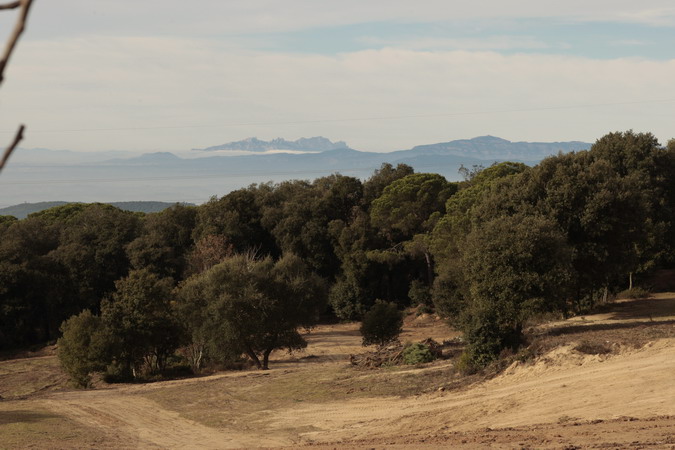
(382,75)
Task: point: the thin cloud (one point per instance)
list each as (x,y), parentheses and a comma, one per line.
(227,18)
(106,83)
(488,43)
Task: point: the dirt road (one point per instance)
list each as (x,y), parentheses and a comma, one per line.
(133,421)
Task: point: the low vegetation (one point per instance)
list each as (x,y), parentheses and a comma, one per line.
(381,324)
(417,353)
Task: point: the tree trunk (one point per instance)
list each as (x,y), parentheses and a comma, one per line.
(430,269)
(197,358)
(266,359)
(251,354)
(630,281)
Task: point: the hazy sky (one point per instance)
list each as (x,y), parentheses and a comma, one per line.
(380,74)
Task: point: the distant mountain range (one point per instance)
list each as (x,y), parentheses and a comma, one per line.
(252,144)
(164,176)
(21,211)
(489,147)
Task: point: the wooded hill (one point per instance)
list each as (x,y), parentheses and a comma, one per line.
(21,211)
(240,274)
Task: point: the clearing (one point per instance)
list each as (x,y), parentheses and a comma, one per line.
(603,380)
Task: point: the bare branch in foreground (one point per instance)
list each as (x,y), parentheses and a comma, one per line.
(12,5)
(10,149)
(16,33)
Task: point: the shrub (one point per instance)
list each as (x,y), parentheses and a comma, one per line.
(488,330)
(417,353)
(81,348)
(634,293)
(381,324)
(465,364)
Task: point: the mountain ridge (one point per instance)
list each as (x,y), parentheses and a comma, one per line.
(170,177)
(253,144)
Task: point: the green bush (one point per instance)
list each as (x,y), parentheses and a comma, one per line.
(488,330)
(81,348)
(417,353)
(635,293)
(382,324)
(465,364)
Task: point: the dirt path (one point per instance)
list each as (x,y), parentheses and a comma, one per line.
(133,421)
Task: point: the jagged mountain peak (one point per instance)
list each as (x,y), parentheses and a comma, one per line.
(253,144)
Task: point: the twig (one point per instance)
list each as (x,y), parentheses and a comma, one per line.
(9,48)
(10,149)
(18,29)
(12,5)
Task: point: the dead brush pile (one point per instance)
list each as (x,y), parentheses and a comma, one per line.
(391,355)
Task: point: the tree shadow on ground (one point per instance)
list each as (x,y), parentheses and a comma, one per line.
(333,333)
(313,359)
(574,329)
(650,308)
(24,416)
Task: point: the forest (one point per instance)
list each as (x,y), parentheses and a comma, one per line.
(134,295)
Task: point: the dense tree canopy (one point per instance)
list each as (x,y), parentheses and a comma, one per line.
(164,242)
(237,217)
(515,267)
(408,206)
(35,289)
(252,267)
(92,247)
(253,305)
(141,326)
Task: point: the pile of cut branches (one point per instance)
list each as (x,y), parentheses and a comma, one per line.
(390,355)
(435,348)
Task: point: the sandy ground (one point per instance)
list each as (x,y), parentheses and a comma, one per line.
(638,385)
(563,399)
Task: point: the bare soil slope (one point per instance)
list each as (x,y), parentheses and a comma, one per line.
(603,380)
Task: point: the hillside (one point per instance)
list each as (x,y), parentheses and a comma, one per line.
(22,210)
(488,147)
(602,380)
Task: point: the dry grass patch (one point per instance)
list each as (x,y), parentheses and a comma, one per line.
(22,425)
(242,401)
(21,378)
